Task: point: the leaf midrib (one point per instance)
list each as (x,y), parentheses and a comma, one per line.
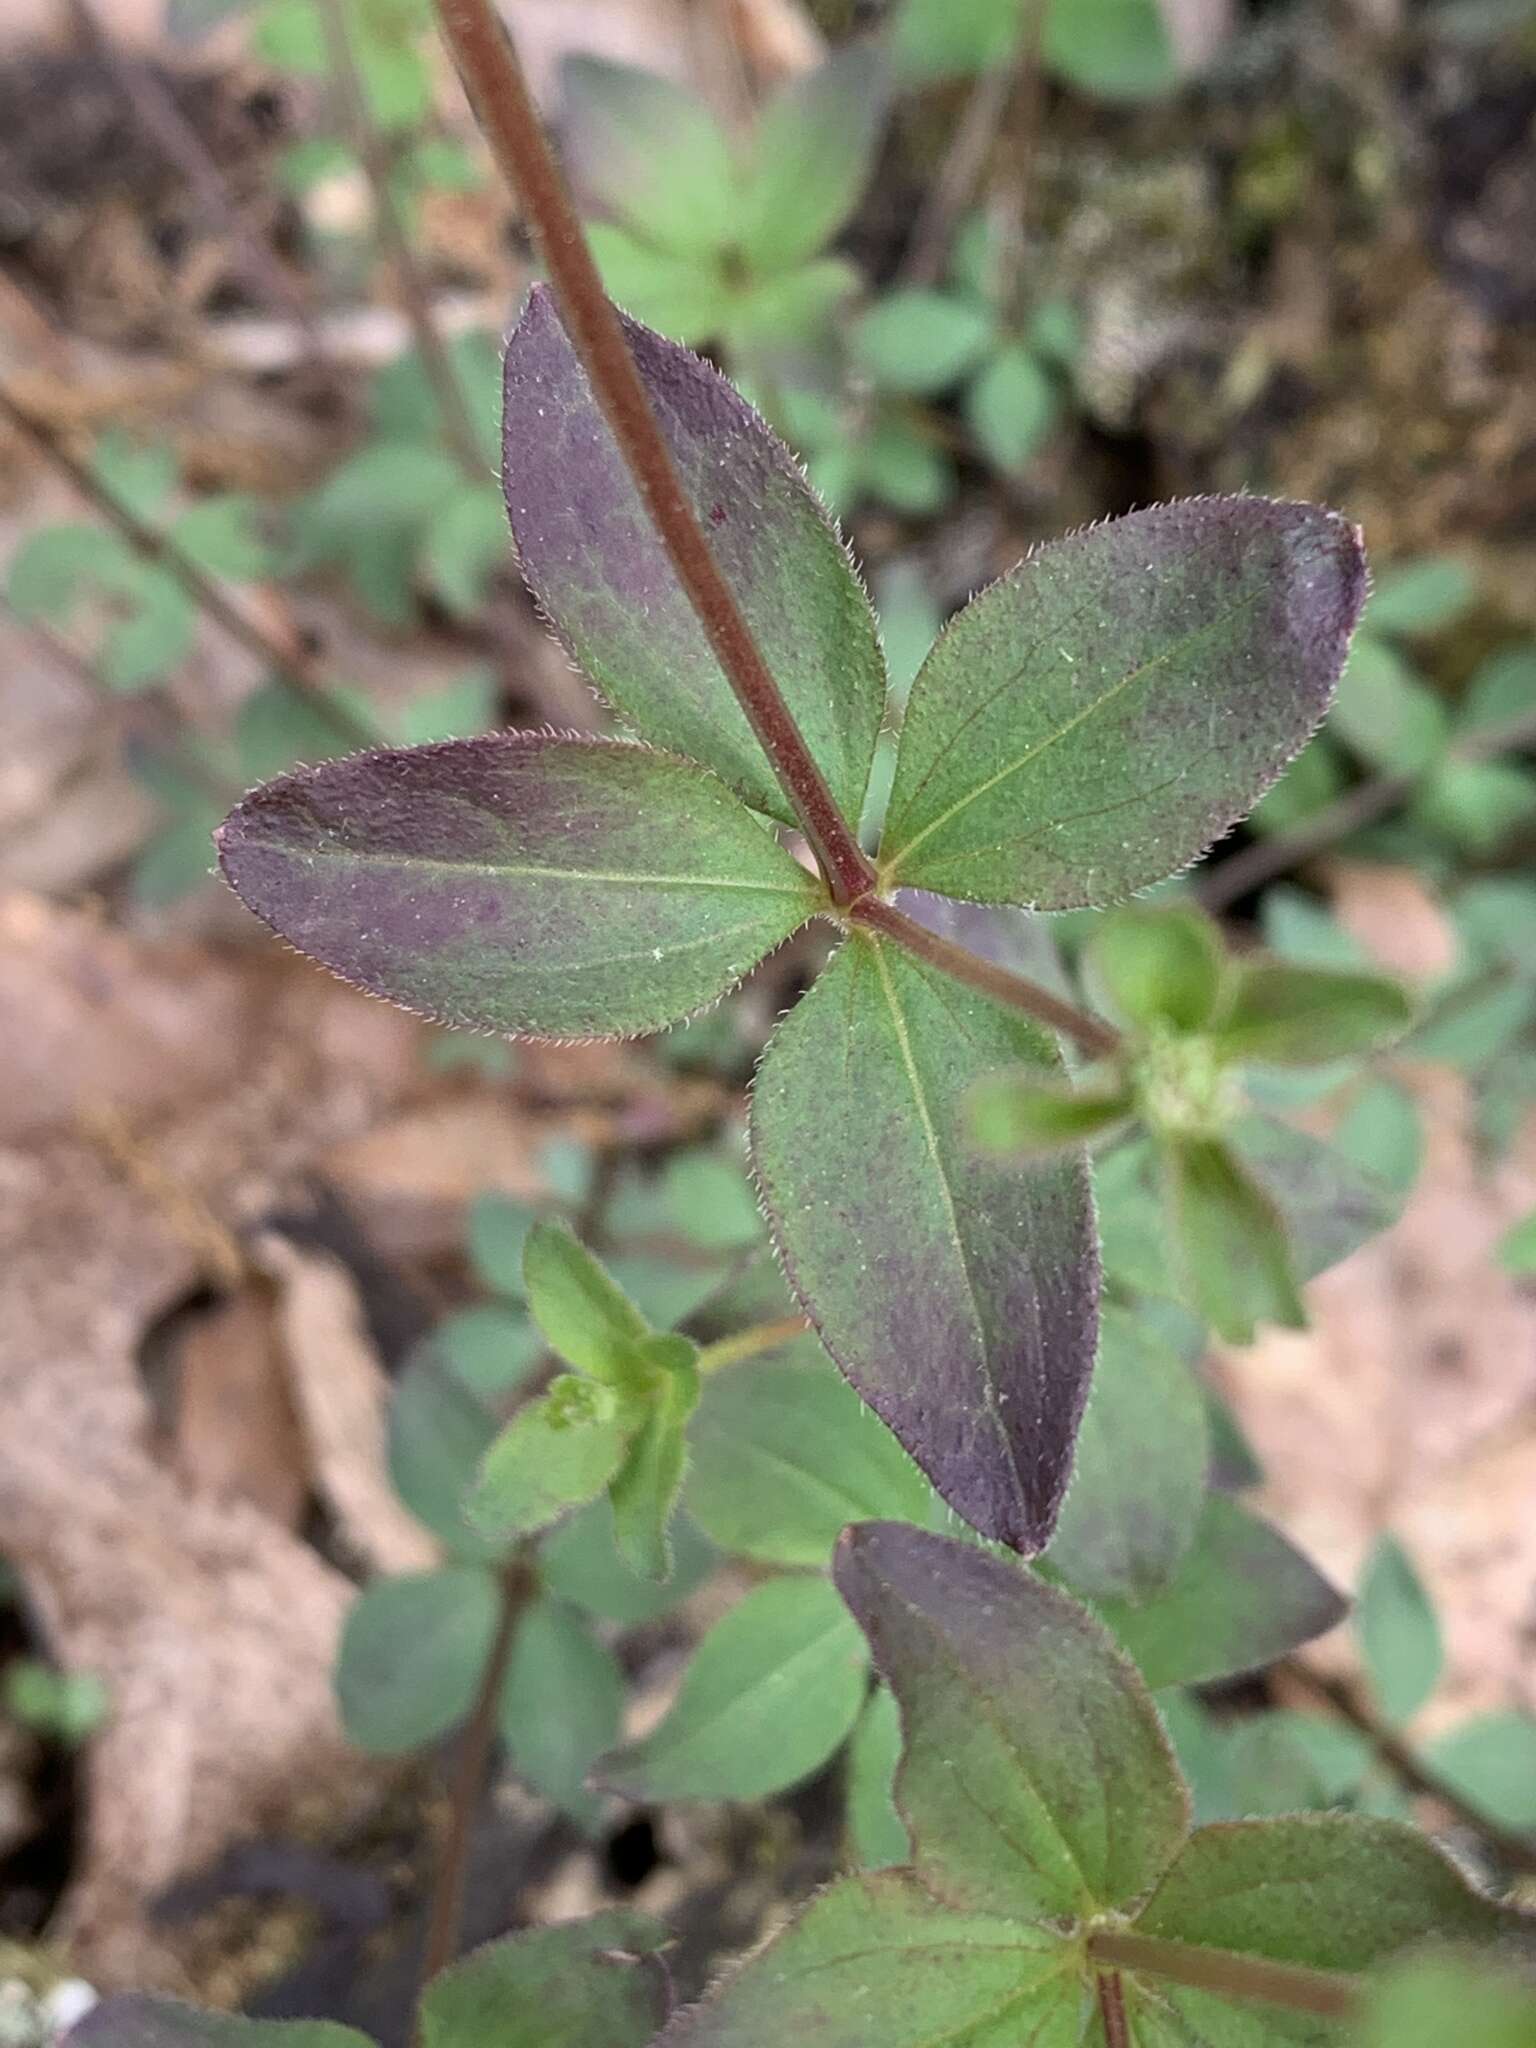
(496,870)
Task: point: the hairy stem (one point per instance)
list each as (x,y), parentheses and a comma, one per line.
(498,90)
(437,364)
(1111,1989)
(302,673)
(1516,1849)
(445,1917)
(1013,990)
(1325,1992)
(751,1343)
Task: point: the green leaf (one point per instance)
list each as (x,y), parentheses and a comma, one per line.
(1094,720)
(1385,713)
(650,154)
(594,1983)
(1500,690)
(920,341)
(580,1562)
(789,313)
(1306,1016)
(1138,1483)
(1477,804)
(1035,1780)
(465,705)
(1398,1632)
(276,727)
(157,633)
(1516,1251)
(875,1960)
(785,1455)
(561,1705)
(1242,1597)
(877,1834)
(519,882)
(771,1692)
(497,1230)
(956,1294)
(1118,49)
(1327,1891)
(54,567)
(412,1654)
(1011,406)
(465,544)
(588,1319)
(1433,2000)
(1491,1761)
(1160,966)
(592,558)
(1230,1241)
(138,479)
(441,1424)
(684,297)
(710,1200)
(1329,1205)
(809,159)
(559,1452)
(223,536)
(646,1487)
(1420,596)
(946,38)
(133,2020)
(491,1348)
(1284,1762)
(1020,1116)
(1381,1133)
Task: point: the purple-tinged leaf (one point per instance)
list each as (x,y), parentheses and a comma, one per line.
(595,1983)
(1093,721)
(593,561)
(136,2021)
(520,882)
(876,1960)
(1035,1780)
(958,1295)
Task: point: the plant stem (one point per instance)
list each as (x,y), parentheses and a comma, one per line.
(751,1343)
(1515,1849)
(1111,1988)
(959,174)
(1325,1992)
(437,364)
(299,669)
(1265,860)
(498,90)
(1013,990)
(445,1917)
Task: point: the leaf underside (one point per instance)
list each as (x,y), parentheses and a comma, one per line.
(1090,723)
(519,882)
(959,1297)
(594,563)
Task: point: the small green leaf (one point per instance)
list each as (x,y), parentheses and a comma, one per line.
(1491,1761)
(956,1294)
(771,1692)
(1230,1241)
(441,1424)
(491,1348)
(1501,689)
(1138,1482)
(54,567)
(580,1562)
(1385,713)
(519,882)
(1118,49)
(412,1653)
(1283,1762)
(1036,1780)
(223,536)
(877,1834)
(1022,1116)
(157,633)
(875,1962)
(1011,406)
(920,341)
(1420,596)
(1242,1597)
(647,1485)
(1327,1891)
(1398,1631)
(1329,1205)
(1433,2000)
(1158,966)
(1382,1133)
(785,1455)
(1306,1016)
(138,479)
(557,1453)
(1477,804)
(466,542)
(134,2020)
(950,38)
(497,1230)
(809,159)
(650,154)
(902,468)
(711,1202)
(561,1705)
(1516,1251)
(1094,720)
(781,318)
(684,297)
(594,1983)
(589,1320)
